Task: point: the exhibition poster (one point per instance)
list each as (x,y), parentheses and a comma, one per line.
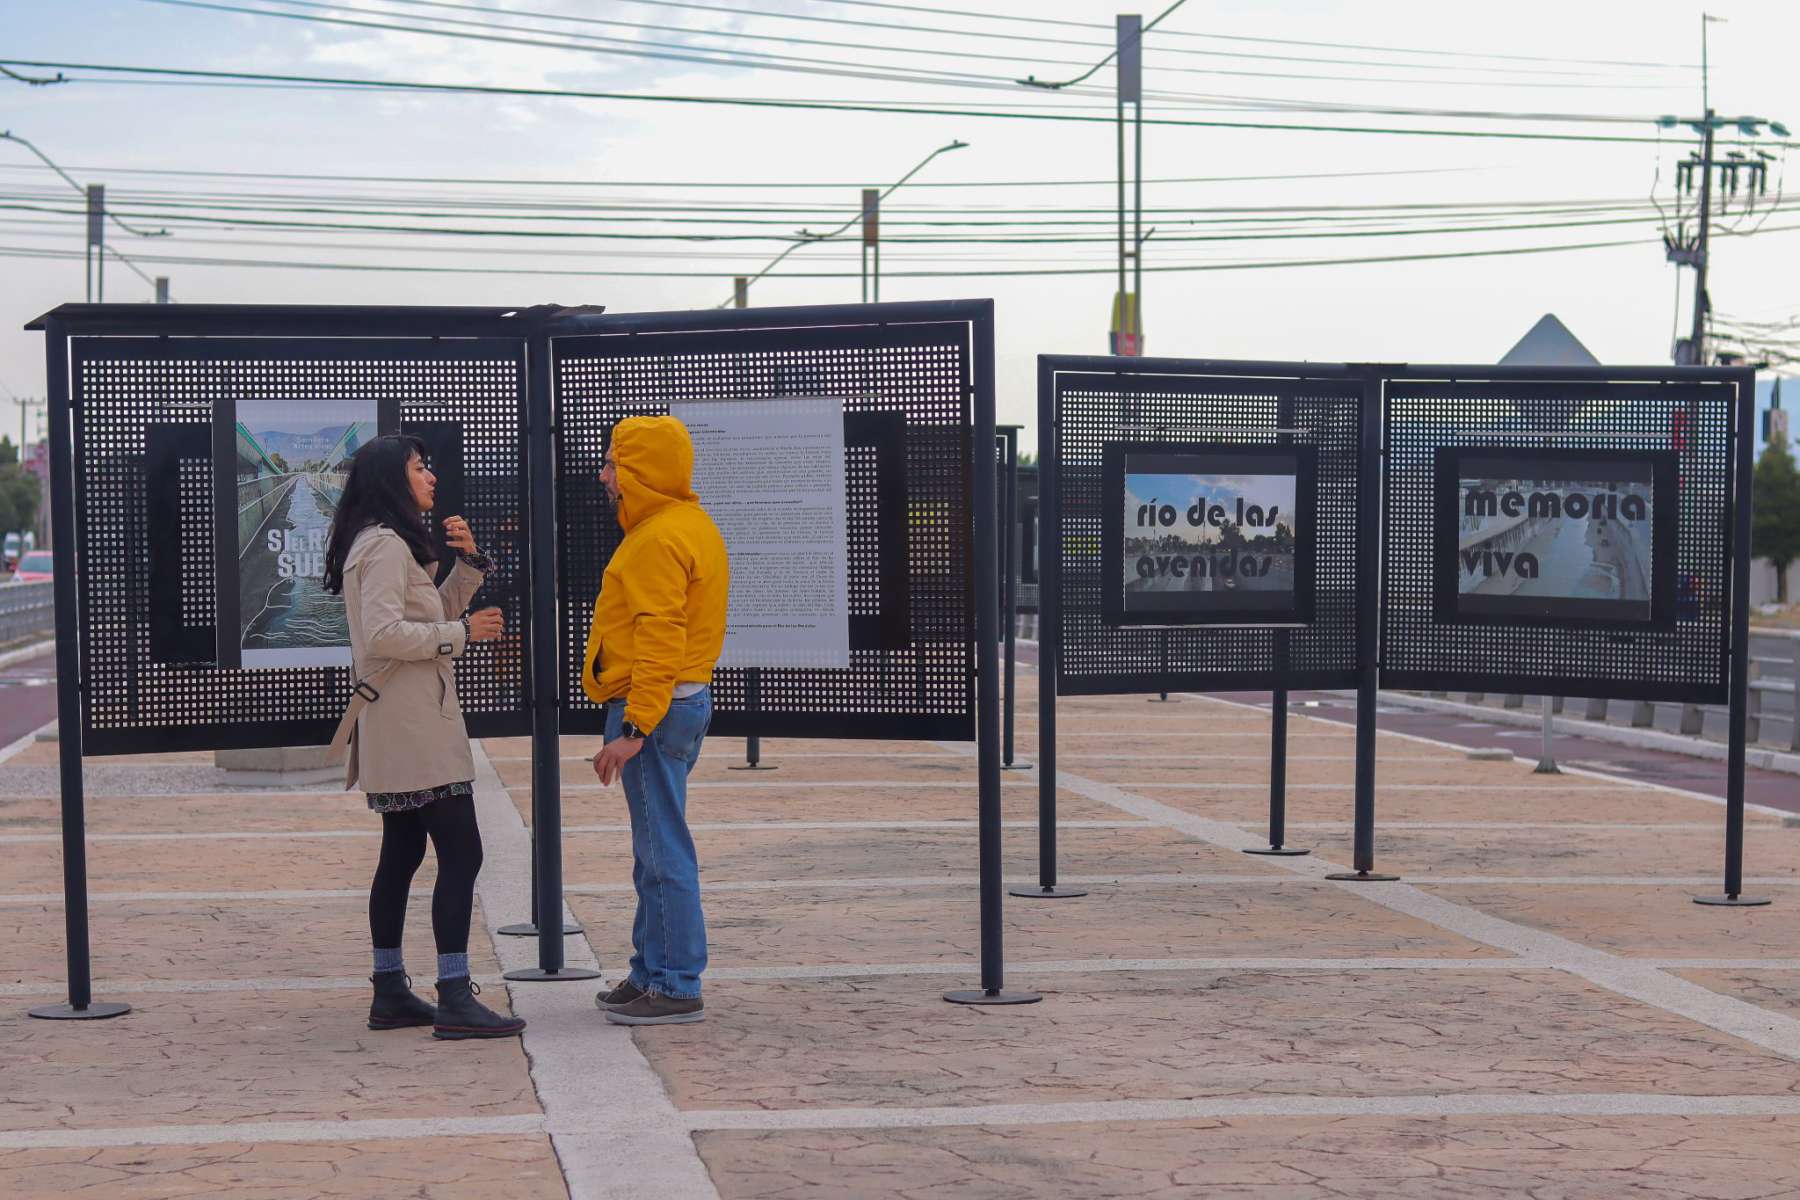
(771,474)
(292,459)
(1208,534)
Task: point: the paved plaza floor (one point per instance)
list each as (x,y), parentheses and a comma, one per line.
(1536,1009)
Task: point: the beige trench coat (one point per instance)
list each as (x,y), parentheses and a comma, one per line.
(413,737)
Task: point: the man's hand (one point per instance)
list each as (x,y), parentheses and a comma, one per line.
(458,536)
(613,756)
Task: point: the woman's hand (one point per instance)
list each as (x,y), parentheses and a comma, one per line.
(457,534)
(486,625)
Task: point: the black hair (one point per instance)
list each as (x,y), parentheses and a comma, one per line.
(378,492)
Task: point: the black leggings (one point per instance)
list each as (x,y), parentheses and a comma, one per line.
(450,823)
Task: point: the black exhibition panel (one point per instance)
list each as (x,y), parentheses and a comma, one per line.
(907,375)
(145,389)
(1089,409)
(1677,424)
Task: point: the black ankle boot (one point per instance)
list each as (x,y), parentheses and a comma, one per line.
(394,1006)
(459,1015)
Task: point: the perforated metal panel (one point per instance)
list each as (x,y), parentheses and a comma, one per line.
(1168,400)
(142,410)
(1686,663)
(907,391)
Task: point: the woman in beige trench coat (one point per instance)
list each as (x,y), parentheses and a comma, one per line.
(410,751)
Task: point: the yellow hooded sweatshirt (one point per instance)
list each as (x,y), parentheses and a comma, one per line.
(660,617)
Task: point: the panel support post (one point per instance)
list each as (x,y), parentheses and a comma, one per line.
(1009,597)
(1049,525)
(752,706)
(543,635)
(1368,629)
(1742,447)
(81,1005)
(980,456)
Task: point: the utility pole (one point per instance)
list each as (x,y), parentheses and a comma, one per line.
(96,247)
(871,240)
(1127,323)
(162,289)
(1735,170)
(740,292)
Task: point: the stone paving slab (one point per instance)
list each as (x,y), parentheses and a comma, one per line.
(50,753)
(940,924)
(1183,1035)
(184,1059)
(1651,921)
(214,813)
(715,769)
(448,1168)
(727,748)
(1275,1158)
(1770,851)
(226,864)
(733,855)
(1623,805)
(1777,991)
(323,938)
(606,806)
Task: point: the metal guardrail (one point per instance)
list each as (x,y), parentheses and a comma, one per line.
(26,609)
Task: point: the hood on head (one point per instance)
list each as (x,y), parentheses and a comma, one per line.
(653,459)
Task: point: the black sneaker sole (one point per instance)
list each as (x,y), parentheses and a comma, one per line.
(457,1034)
(380,1025)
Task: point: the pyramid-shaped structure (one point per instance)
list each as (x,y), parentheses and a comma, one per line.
(1549,344)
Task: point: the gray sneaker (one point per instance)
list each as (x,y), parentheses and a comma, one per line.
(654,1009)
(625,993)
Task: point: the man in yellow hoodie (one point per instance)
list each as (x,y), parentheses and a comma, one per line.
(659,624)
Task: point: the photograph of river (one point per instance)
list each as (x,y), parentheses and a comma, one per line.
(1194,541)
(292,460)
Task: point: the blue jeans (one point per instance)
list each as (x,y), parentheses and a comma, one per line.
(668,936)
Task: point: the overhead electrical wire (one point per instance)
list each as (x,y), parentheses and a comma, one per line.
(822,106)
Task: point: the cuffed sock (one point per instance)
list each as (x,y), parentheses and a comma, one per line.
(453,966)
(389,960)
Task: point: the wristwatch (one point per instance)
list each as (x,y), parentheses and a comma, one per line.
(627,729)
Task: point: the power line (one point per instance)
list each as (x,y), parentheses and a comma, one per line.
(819,106)
(1433,256)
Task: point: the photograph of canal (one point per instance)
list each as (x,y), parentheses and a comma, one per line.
(292,459)
(1537,542)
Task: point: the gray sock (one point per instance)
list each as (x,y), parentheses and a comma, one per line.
(389,960)
(453,966)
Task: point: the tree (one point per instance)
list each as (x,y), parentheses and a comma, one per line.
(19,493)
(1775,512)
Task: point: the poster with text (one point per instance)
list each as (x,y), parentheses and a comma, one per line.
(1554,536)
(1207,534)
(286,471)
(771,474)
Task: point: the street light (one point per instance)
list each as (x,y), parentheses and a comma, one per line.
(807,238)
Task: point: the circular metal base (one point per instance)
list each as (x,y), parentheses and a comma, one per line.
(1015,766)
(1733,901)
(98,1011)
(1284,851)
(1363,877)
(539,975)
(1163,700)
(753,767)
(1546,767)
(1001,997)
(1047,893)
(527,929)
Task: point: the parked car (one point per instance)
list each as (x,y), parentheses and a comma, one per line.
(34,567)
(14,547)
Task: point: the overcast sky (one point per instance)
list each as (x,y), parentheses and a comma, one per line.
(1209,58)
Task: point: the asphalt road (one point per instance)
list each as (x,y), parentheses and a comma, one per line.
(27,696)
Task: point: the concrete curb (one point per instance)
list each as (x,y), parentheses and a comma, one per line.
(27,652)
(1643,739)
